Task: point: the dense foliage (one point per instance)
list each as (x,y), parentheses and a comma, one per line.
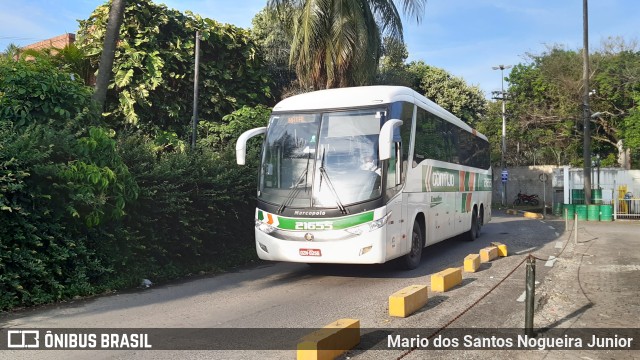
(452,93)
(84,210)
(154,67)
(60,176)
(36,92)
(545,112)
(272,32)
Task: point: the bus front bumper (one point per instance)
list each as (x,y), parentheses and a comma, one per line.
(367,248)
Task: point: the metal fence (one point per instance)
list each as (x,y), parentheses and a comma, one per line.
(627,208)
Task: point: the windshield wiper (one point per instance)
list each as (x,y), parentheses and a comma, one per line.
(295,189)
(323,173)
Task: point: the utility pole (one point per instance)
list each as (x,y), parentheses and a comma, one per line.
(503,165)
(194,121)
(586,112)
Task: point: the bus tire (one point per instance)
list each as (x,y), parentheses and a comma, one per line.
(412,259)
(472,234)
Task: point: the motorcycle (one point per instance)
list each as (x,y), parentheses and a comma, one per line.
(524,199)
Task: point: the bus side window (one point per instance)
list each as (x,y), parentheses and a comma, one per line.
(391,171)
(393,176)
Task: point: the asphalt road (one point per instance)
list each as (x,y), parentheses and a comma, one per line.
(285,295)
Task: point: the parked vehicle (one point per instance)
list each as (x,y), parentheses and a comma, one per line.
(524,199)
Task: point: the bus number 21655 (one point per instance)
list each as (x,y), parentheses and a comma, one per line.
(314,225)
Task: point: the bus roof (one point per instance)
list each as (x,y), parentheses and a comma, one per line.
(365,96)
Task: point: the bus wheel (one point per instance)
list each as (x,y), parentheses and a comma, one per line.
(412,259)
(472,234)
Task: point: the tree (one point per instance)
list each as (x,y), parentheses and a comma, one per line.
(12,51)
(273,32)
(543,109)
(616,85)
(338,43)
(545,97)
(69,58)
(152,87)
(108,51)
(451,92)
(393,70)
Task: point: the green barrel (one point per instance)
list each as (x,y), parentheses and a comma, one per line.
(569,210)
(581,210)
(596,195)
(593,212)
(577,196)
(557,209)
(606,212)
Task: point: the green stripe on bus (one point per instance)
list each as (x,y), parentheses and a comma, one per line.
(304,223)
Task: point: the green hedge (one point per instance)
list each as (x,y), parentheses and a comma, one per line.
(84,210)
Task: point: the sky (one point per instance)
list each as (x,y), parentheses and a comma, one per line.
(465,37)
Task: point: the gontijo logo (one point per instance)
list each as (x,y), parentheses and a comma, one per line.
(443,179)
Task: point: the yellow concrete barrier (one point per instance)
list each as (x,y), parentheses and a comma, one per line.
(502,248)
(489,253)
(512,212)
(472,263)
(446,279)
(408,300)
(532,215)
(331,341)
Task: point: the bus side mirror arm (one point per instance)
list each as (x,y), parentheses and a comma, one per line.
(386,139)
(241,143)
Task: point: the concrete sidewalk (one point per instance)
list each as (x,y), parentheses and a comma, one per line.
(594,284)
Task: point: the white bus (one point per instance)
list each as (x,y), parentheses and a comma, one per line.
(365,175)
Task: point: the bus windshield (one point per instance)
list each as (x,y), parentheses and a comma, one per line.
(323,160)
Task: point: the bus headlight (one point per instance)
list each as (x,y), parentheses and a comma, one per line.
(357,230)
(264,227)
(377,224)
(374,225)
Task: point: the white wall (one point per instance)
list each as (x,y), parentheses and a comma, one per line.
(526,179)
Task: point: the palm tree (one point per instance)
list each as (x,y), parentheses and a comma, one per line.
(337,43)
(12,52)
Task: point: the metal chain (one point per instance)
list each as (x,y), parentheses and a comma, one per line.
(486,294)
(468,308)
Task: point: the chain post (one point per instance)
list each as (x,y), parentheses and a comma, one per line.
(530,295)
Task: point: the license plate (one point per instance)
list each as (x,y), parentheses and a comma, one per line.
(310,252)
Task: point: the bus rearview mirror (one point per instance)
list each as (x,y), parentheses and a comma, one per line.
(386,139)
(241,143)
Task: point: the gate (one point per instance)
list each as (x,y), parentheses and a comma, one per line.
(626,206)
